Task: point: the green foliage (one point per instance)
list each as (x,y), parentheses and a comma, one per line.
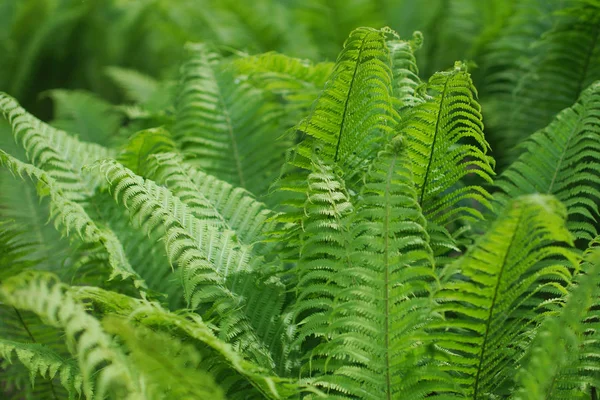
(238,217)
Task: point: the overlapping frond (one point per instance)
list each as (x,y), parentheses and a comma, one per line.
(405,71)
(190,326)
(54,151)
(365,278)
(225,125)
(492,295)
(101,364)
(169,368)
(206,258)
(561,363)
(70,217)
(563,160)
(43,361)
(446,143)
(212,199)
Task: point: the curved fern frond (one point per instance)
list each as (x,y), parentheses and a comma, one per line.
(40,360)
(563,160)
(101,364)
(54,151)
(491,294)
(69,217)
(405,71)
(355,113)
(225,124)
(297,81)
(138,87)
(561,363)
(168,367)
(564,63)
(205,257)
(446,143)
(190,326)
(210,198)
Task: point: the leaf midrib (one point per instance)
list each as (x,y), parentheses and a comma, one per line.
(386,228)
(435,136)
(350,89)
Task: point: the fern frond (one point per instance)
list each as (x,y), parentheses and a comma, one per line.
(137,86)
(54,151)
(40,360)
(205,257)
(564,63)
(70,217)
(354,113)
(168,367)
(490,295)
(405,71)
(100,363)
(225,124)
(446,143)
(190,326)
(297,81)
(368,289)
(561,363)
(212,199)
(563,160)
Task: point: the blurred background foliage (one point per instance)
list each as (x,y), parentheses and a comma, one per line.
(514,50)
(49,44)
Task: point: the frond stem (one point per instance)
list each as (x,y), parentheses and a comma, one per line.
(337,147)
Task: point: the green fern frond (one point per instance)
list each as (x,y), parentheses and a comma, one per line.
(405,71)
(40,360)
(491,294)
(298,82)
(137,86)
(190,326)
(561,363)
(226,124)
(101,364)
(354,113)
(210,198)
(70,217)
(54,151)
(563,160)
(141,145)
(206,258)
(446,143)
(168,368)
(564,63)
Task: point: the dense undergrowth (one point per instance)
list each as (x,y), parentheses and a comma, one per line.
(246,224)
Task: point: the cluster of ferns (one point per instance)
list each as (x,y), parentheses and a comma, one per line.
(266,227)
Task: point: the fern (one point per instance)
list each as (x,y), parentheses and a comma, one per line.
(263,226)
(562,160)
(69,217)
(100,363)
(43,361)
(445,138)
(219,117)
(566,345)
(489,295)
